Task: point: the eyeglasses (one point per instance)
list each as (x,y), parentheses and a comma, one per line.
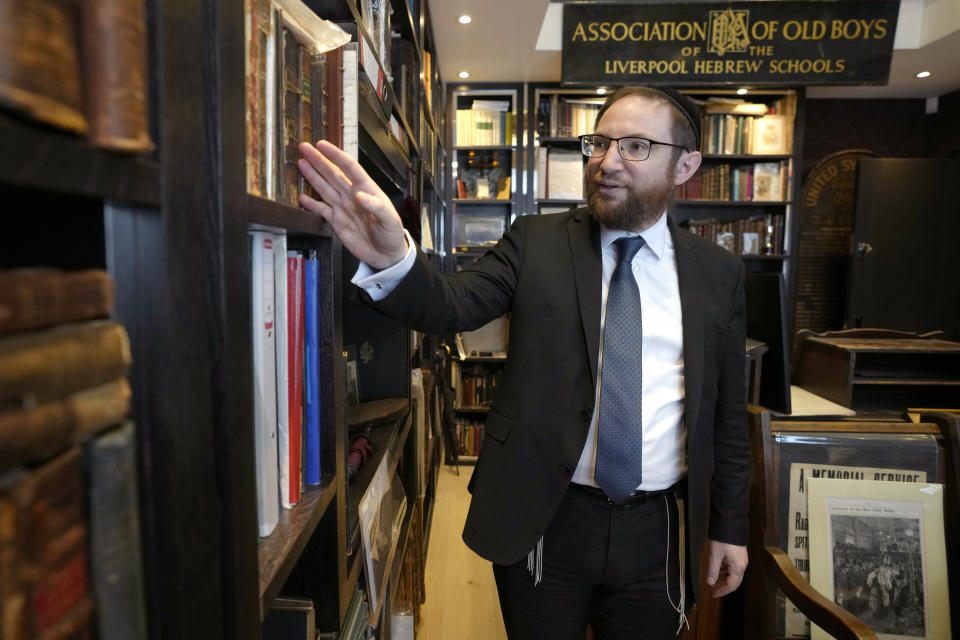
(594,145)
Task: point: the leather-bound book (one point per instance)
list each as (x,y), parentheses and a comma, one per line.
(37,298)
(41,366)
(39,61)
(38,432)
(115,568)
(115,74)
(44,582)
(289,178)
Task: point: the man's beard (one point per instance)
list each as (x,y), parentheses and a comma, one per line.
(639,210)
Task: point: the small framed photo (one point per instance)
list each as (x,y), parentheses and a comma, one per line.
(769,135)
(751,243)
(878,550)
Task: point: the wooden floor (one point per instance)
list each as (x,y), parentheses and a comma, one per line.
(461,595)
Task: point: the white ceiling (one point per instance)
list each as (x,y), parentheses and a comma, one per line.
(499,45)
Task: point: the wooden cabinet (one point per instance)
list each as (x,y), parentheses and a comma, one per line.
(881,373)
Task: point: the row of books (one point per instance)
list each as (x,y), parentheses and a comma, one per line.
(759,182)
(286,299)
(759,235)
(69,518)
(478,385)
(293,94)
(485,126)
(737,134)
(730,126)
(80,67)
(469,435)
(559,174)
(560,117)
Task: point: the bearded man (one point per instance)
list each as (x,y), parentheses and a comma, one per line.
(616,447)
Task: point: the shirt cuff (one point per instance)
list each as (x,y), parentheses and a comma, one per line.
(380,284)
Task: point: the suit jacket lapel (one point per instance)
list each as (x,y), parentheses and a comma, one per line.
(584,235)
(692,304)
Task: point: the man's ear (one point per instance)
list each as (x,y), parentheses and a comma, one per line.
(687,165)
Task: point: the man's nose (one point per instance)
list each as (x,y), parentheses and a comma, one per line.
(611,160)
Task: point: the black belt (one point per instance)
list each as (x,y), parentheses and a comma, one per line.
(635,498)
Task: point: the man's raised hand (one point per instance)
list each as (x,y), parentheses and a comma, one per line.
(359,212)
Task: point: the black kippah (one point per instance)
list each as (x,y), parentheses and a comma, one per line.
(687,107)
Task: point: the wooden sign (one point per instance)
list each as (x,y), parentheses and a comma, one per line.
(755,43)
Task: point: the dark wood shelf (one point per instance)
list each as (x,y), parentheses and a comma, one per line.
(480,201)
(904,382)
(387,438)
(733,203)
(558,201)
(479,358)
(477,410)
(747,156)
(40,157)
(278,553)
(275,214)
(483,147)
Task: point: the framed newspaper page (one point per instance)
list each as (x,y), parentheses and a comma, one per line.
(878,550)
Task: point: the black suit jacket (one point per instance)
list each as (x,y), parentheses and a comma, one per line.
(546,271)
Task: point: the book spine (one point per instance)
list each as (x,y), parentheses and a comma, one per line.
(36,433)
(351,113)
(38,298)
(295,322)
(282,381)
(290,101)
(46,87)
(116,572)
(255,120)
(311,384)
(335,96)
(53,363)
(115,58)
(264,381)
(44,582)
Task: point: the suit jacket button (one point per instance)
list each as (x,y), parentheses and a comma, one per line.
(565,470)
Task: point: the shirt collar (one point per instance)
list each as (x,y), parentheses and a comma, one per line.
(655,237)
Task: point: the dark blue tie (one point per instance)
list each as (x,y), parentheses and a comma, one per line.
(620,426)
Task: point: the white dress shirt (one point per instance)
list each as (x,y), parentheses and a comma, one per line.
(655,270)
(664,433)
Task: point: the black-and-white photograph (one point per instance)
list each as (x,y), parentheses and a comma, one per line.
(878,572)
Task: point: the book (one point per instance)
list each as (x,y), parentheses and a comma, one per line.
(311,377)
(115,568)
(289,95)
(282,379)
(39,431)
(766,181)
(256,21)
(334,102)
(52,363)
(44,87)
(769,136)
(264,380)
(295,322)
(44,581)
(115,64)
(290,619)
(37,298)
(350,94)
(565,175)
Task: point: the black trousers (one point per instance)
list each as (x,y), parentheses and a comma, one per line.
(602,564)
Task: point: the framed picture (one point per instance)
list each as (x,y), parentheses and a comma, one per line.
(769,135)
(878,550)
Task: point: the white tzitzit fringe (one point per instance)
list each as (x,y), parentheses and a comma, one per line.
(535,562)
(681,544)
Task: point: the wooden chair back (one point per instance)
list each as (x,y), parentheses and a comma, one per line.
(776,445)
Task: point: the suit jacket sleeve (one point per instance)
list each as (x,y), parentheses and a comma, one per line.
(433,302)
(730,484)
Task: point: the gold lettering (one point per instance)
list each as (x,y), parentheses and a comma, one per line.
(881,29)
(619,31)
(578,32)
(594,35)
(604,31)
(636,25)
